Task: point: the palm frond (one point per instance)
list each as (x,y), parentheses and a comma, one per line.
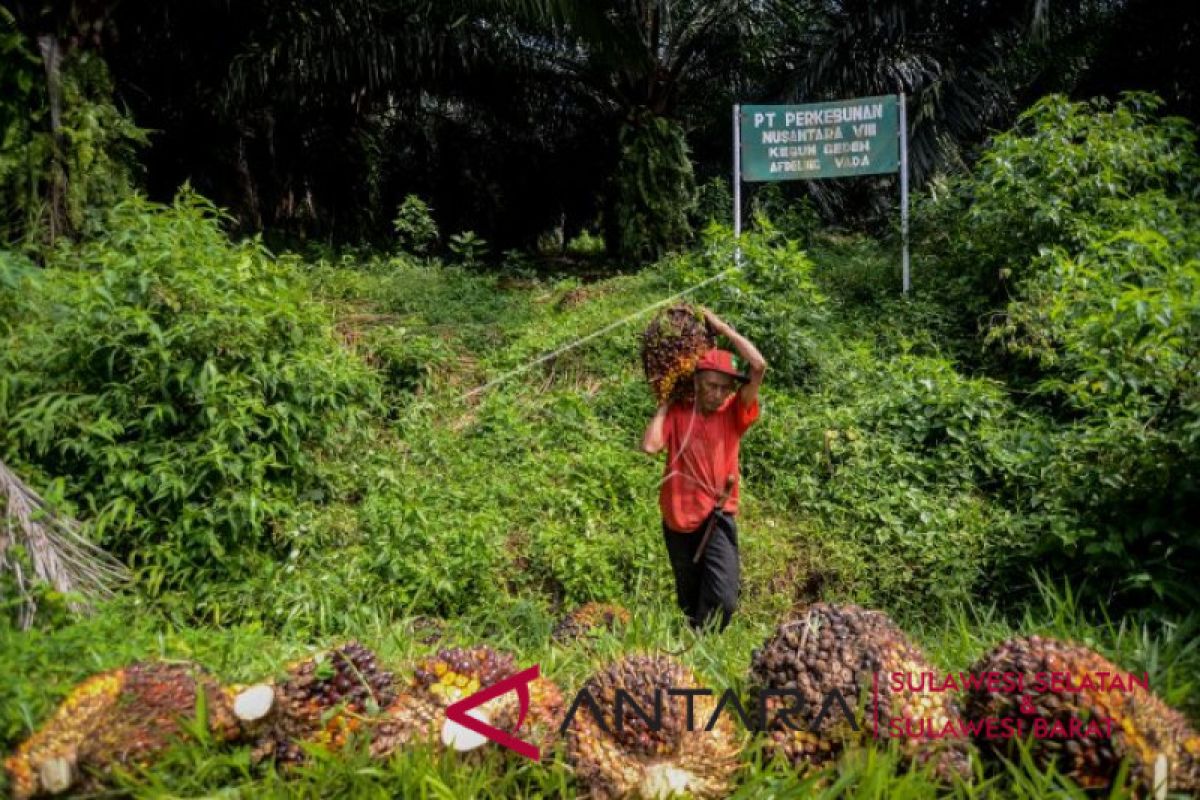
(54,548)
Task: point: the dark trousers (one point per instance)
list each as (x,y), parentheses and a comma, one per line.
(708,589)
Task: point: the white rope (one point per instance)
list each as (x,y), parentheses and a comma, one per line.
(689,463)
(683,450)
(600,332)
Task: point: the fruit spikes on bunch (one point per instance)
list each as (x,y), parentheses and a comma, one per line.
(411,717)
(449,676)
(457,672)
(589,618)
(639,761)
(124,717)
(832,647)
(324,700)
(1162,748)
(672,344)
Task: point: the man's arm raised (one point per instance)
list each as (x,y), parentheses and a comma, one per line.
(749,353)
(653,440)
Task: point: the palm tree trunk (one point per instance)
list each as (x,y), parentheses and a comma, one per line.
(51,51)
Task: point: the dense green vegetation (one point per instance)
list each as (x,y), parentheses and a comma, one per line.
(291,446)
(291,479)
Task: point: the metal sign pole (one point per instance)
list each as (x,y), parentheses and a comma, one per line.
(737,177)
(905,277)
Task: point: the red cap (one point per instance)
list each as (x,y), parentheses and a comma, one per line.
(720,361)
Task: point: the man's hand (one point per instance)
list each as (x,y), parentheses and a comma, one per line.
(715,323)
(748,352)
(653,440)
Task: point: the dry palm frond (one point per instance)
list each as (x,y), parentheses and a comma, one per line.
(58,553)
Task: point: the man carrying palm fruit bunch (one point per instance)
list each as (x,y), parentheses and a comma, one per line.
(700,483)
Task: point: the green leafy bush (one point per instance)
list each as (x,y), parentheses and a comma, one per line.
(1115,331)
(655,189)
(773,209)
(1064,171)
(179,384)
(586,244)
(51,185)
(469,248)
(1075,239)
(16,271)
(857,271)
(445,564)
(415,228)
(408,360)
(893,460)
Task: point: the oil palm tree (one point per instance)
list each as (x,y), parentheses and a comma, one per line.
(649,70)
(963,65)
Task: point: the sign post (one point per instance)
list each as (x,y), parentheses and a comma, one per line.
(838,139)
(737,184)
(906,282)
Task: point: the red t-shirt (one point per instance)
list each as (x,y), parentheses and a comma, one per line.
(701,451)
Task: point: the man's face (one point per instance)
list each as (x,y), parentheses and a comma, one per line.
(712,388)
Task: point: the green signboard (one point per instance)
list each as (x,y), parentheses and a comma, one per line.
(820,140)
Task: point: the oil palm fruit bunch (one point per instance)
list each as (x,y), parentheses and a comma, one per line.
(588,618)
(1163,750)
(323,701)
(419,711)
(122,717)
(842,648)
(672,344)
(540,727)
(411,717)
(454,673)
(637,760)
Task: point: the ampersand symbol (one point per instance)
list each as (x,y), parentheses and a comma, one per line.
(1027,705)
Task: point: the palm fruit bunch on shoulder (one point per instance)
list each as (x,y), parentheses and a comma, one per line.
(842,648)
(323,701)
(634,759)
(672,345)
(450,675)
(1158,741)
(588,618)
(124,717)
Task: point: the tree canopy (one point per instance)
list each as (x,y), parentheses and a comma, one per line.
(512,118)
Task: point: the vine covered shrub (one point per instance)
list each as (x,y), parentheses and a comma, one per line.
(1065,171)
(655,189)
(178,383)
(1075,238)
(50,185)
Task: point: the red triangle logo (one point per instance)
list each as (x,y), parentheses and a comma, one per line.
(457,712)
